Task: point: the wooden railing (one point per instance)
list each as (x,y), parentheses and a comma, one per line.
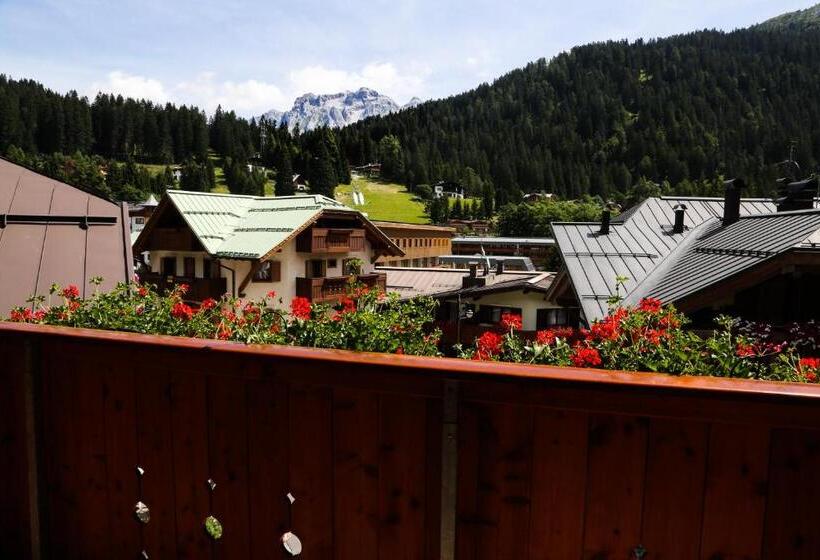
(321,290)
(198,288)
(390,456)
(326,240)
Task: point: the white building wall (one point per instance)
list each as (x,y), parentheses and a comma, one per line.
(529,303)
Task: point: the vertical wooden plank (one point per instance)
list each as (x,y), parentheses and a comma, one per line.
(673,498)
(15,535)
(432,516)
(121,453)
(791,513)
(735,492)
(77,501)
(190,449)
(558,484)
(268,453)
(356,473)
(615,475)
(311,469)
(402,477)
(468,522)
(155,441)
(228,448)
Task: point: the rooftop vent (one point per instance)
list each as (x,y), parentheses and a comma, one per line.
(473,279)
(680,215)
(796,195)
(731,200)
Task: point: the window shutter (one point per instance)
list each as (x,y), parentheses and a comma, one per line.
(275,271)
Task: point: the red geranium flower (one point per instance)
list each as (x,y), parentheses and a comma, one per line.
(70,292)
(348,305)
(271,294)
(182,311)
(809,363)
(650,305)
(223,332)
(489,343)
(745,350)
(511,321)
(207,304)
(183,288)
(142,291)
(545,337)
(583,356)
(300,308)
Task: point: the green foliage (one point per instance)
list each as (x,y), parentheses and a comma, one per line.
(242,181)
(390,154)
(383,201)
(594,120)
(533,220)
(284,173)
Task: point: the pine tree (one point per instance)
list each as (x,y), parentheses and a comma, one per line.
(284,173)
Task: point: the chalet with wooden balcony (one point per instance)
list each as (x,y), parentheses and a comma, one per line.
(246,246)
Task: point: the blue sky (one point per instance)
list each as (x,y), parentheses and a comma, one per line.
(254,55)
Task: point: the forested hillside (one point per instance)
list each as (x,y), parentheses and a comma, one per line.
(595,120)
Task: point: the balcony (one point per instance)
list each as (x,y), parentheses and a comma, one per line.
(321,290)
(328,240)
(198,288)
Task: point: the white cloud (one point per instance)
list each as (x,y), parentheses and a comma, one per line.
(139,87)
(254,97)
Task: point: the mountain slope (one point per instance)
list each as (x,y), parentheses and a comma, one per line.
(798,20)
(334,110)
(598,118)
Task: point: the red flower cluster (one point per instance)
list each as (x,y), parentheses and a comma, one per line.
(548,337)
(182,311)
(511,321)
(183,288)
(583,356)
(207,304)
(70,292)
(142,291)
(810,368)
(348,305)
(27,315)
(488,345)
(300,308)
(650,305)
(745,350)
(271,294)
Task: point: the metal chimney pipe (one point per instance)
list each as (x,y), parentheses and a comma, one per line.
(680,215)
(606,215)
(731,200)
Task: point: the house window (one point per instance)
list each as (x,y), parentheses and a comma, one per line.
(268,271)
(491,314)
(189,267)
(208,268)
(168,266)
(139,220)
(315,268)
(557,317)
(331,263)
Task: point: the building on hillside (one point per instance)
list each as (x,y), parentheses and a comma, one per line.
(422,244)
(371,170)
(539,249)
(743,257)
(477,227)
(537,197)
(51,232)
(448,189)
(473,300)
(246,246)
(139,213)
(299,185)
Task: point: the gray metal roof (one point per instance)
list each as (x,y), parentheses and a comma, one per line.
(638,241)
(410,282)
(715,253)
(504,240)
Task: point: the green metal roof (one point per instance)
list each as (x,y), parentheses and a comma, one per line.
(248,227)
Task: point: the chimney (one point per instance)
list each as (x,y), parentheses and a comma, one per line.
(680,214)
(499,266)
(605,217)
(796,195)
(731,200)
(473,279)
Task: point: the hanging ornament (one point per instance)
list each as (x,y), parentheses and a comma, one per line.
(213,527)
(292,543)
(142,513)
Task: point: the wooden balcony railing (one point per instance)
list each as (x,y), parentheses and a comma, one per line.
(327,240)
(321,290)
(389,455)
(198,288)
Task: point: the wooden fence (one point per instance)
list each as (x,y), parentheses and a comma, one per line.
(390,457)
